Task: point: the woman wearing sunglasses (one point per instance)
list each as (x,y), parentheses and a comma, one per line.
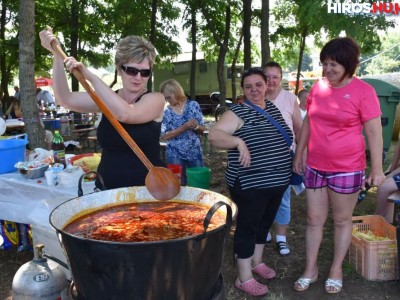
(138,110)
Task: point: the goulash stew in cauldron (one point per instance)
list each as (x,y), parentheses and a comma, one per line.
(144,222)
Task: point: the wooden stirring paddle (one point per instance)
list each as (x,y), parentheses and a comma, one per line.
(161,183)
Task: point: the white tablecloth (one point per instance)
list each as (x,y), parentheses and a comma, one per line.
(30,202)
(10,123)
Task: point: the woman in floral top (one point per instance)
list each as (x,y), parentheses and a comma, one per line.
(182,123)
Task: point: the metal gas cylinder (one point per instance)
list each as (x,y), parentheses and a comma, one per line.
(40,279)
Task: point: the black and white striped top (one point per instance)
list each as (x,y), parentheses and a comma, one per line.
(271,162)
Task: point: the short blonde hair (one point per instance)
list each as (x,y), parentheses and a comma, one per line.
(134,49)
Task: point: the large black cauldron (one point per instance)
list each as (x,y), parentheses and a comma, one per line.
(187,268)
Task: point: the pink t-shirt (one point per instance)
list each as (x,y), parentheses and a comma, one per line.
(336,117)
(285,103)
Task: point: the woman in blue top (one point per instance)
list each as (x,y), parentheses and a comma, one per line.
(181,125)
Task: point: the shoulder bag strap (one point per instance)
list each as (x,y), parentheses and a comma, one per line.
(272,120)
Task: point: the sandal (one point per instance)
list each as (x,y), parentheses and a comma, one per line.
(283,248)
(302,284)
(333,286)
(264,271)
(251,287)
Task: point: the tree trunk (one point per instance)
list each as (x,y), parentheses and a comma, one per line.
(4,81)
(302,47)
(193,33)
(33,128)
(265,49)
(222,41)
(247,33)
(74,22)
(153,37)
(221,57)
(233,67)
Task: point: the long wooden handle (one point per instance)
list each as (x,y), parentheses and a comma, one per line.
(121,130)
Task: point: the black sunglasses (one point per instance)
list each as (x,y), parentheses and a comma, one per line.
(132,71)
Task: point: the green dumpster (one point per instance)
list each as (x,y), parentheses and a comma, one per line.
(389,97)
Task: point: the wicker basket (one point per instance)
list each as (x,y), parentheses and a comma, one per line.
(374,260)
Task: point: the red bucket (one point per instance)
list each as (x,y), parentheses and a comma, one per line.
(176,169)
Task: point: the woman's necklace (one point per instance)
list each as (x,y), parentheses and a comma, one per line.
(181,107)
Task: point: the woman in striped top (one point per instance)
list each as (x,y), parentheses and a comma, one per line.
(258,173)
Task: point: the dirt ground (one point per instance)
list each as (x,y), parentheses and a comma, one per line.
(288,268)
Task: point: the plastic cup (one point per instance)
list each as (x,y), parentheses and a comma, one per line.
(176,169)
(67,159)
(49,177)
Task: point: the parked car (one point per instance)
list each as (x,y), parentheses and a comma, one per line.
(219,110)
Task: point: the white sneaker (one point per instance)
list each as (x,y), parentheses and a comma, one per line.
(269,237)
(283,248)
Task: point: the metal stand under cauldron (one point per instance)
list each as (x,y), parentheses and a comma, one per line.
(218,292)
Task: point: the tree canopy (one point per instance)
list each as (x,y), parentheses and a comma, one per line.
(89,30)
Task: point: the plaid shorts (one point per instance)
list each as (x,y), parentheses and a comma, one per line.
(396,179)
(339,182)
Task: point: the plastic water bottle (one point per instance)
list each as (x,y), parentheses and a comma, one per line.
(64,125)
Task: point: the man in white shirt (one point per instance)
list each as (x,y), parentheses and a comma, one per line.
(17,93)
(303,95)
(45,98)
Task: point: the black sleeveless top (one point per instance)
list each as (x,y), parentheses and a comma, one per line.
(119,166)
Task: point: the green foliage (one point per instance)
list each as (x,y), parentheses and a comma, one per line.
(98,25)
(93,27)
(8,46)
(387,60)
(311,18)
(206,38)
(84,19)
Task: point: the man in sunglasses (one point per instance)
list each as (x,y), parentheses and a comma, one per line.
(138,110)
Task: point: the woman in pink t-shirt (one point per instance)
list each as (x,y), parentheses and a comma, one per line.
(339,107)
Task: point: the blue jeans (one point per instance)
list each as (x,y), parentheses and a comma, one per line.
(185,164)
(283,215)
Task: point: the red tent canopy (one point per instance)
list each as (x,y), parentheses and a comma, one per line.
(43,81)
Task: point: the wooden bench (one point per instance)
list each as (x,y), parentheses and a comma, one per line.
(93,139)
(82,134)
(395,199)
